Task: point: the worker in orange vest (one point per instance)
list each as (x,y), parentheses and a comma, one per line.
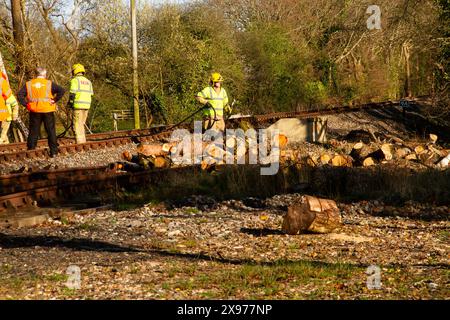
(40,96)
(5,94)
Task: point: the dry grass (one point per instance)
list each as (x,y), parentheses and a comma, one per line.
(390,184)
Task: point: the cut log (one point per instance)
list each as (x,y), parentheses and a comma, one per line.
(429,158)
(411,157)
(402,153)
(129,166)
(444,162)
(386,148)
(126,155)
(341,161)
(155,149)
(433,138)
(384,153)
(441,153)
(356,153)
(335,143)
(312,214)
(419,150)
(161,162)
(325,159)
(368,162)
(282,140)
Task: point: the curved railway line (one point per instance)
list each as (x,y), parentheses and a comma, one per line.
(26,190)
(17,151)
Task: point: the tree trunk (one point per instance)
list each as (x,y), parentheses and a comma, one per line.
(19,37)
(312,214)
(407,53)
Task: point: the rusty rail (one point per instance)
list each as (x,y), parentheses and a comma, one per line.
(17,151)
(19,191)
(46,188)
(317,112)
(71,148)
(42,143)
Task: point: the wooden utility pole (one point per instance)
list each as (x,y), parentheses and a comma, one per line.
(135,65)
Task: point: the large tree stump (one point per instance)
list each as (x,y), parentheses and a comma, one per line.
(312,214)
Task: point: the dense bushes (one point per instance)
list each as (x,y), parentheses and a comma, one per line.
(274,55)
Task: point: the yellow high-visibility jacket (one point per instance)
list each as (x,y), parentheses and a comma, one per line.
(11,103)
(81,87)
(5,93)
(218,101)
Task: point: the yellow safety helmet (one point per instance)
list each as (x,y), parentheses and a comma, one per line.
(216,77)
(78,68)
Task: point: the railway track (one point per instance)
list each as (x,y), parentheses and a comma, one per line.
(95,137)
(17,151)
(43,188)
(318,112)
(20,192)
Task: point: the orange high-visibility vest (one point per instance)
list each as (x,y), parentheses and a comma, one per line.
(39,96)
(5,93)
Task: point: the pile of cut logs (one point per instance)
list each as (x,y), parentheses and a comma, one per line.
(369,154)
(159,155)
(360,154)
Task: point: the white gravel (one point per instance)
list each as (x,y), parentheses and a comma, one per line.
(90,158)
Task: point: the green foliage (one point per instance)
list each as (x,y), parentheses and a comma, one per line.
(315,92)
(315,54)
(276,68)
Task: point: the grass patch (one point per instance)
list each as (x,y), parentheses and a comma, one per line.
(57,277)
(15,285)
(192,210)
(444,235)
(88,226)
(257,281)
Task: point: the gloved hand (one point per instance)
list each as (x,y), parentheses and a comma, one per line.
(228,109)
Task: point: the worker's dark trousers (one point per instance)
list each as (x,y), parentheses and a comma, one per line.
(36,118)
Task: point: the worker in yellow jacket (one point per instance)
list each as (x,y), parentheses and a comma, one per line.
(80,99)
(7,103)
(215,99)
(12,107)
